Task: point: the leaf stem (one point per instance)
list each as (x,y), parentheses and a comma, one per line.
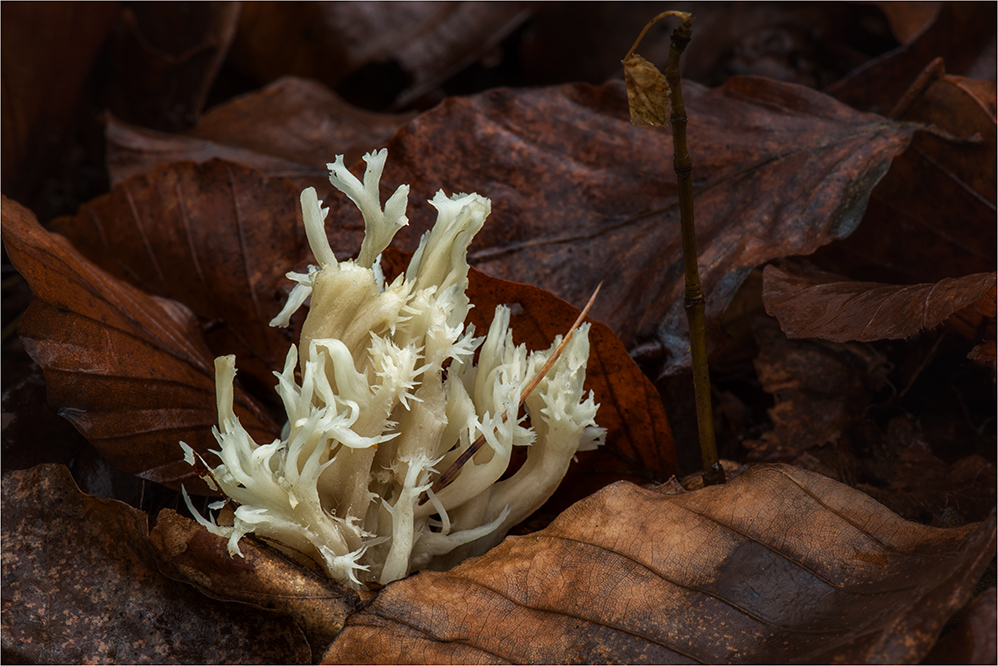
(693,299)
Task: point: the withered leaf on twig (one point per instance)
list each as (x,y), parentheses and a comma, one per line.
(647,93)
(777,565)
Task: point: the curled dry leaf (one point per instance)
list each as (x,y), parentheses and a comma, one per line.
(575,183)
(933,215)
(817,304)
(80,585)
(647,93)
(261,577)
(777,565)
(131,371)
(290,128)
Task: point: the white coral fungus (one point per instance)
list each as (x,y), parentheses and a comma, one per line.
(389,398)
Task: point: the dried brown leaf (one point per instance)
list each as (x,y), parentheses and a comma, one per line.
(647,93)
(131,371)
(777,565)
(817,304)
(80,585)
(44,43)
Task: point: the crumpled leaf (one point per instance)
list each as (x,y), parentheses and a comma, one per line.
(80,585)
(377,54)
(817,304)
(838,410)
(261,577)
(574,184)
(819,390)
(777,565)
(131,371)
(647,93)
(290,128)
(908,234)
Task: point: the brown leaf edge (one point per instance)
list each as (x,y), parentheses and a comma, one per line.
(130,371)
(779,564)
(816,304)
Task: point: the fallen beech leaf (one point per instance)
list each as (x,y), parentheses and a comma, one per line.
(129,370)
(164,61)
(817,304)
(778,170)
(210,236)
(939,241)
(262,577)
(392,53)
(80,585)
(777,565)
(290,128)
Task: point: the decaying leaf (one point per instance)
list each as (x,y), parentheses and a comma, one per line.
(647,93)
(639,445)
(261,577)
(879,83)
(817,304)
(777,565)
(131,371)
(80,585)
